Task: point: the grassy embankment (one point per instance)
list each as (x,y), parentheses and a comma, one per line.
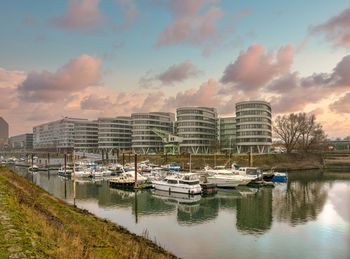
(34,223)
(293,161)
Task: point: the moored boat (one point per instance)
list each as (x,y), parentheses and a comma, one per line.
(186,183)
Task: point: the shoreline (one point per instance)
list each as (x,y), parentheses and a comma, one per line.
(45,226)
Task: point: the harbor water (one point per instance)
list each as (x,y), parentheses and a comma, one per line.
(308,217)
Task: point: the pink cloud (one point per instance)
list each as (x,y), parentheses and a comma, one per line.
(80,14)
(254,68)
(78,74)
(206,95)
(178,72)
(342,105)
(336,29)
(190,23)
(302,46)
(174,74)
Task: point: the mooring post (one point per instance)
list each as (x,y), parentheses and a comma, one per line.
(250,158)
(74,177)
(48,160)
(135,170)
(190,162)
(65,164)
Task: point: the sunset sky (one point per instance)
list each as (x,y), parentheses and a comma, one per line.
(99,58)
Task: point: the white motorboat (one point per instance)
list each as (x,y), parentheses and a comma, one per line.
(227,180)
(186,183)
(254,173)
(82,172)
(224,178)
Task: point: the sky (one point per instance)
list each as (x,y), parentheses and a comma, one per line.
(105,58)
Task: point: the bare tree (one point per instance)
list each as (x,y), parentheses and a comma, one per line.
(287,129)
(312,133)
(299,131)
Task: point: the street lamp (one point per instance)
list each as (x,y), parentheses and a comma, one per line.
(230,144)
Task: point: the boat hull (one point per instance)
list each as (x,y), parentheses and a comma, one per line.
(179,188)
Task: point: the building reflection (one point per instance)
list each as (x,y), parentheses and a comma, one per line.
(254,212)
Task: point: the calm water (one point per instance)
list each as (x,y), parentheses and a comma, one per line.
(308,217)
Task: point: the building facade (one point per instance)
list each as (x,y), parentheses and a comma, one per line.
(22,142)
(227,134)
(114,133)
(254,132)
(144,140)
(197,127)
(4,129)
(66,134)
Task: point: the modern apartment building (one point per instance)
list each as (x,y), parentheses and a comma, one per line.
(253,126)
(66,134)
(226,128)
(4,133)
(114,133)
(144,140)
(197,126)
(22,142)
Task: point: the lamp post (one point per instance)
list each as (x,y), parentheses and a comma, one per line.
(230,144)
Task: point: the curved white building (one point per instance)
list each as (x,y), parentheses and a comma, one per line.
(197,127)
(144,140)
(253,126)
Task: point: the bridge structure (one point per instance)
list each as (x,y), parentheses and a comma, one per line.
(171,142)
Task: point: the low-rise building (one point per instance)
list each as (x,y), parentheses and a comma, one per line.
(23,142)
(66,134)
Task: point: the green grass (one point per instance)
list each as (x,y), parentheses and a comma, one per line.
(49,227)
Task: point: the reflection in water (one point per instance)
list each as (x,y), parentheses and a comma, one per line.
(301,201)
(254,212)
(258,212)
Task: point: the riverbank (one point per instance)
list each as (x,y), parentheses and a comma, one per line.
(36,224)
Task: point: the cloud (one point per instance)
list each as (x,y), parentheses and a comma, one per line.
(190,23)
(93,102)
(342,105)
(130,12)
(178,73)
(253,69)
(225,33)
(78,74)
(302,46)
(80,14)
(336,29)
(206,95)
(9,79)
(318,111)
(174,74)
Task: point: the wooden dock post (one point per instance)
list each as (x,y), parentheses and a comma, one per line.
(65,164)
(190,162)
(250,158)
(48,160)
(74,177)
(136,185)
